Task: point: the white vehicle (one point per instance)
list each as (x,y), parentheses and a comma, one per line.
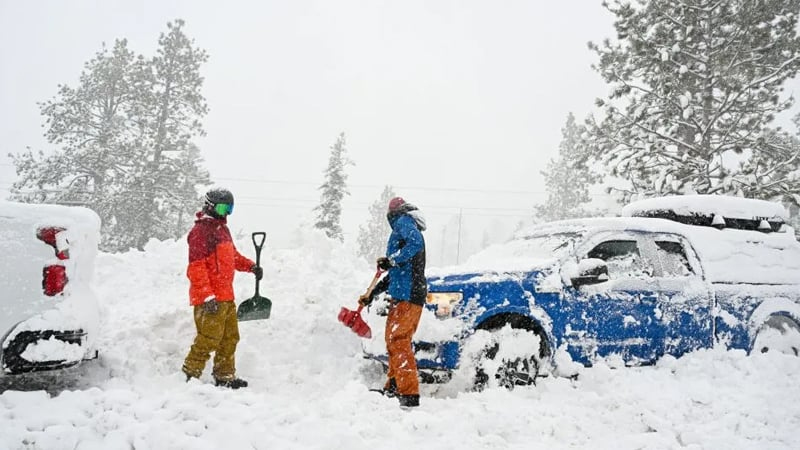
(48,312)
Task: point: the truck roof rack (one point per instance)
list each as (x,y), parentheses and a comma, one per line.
(718,211)
(765,225)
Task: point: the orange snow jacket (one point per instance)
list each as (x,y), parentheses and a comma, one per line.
(212,261)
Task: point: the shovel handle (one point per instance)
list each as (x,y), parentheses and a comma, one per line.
(258,241)
(375,279)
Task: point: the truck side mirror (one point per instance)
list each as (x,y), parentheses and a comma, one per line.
(590,271)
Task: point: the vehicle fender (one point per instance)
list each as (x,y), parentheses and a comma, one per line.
(779,306)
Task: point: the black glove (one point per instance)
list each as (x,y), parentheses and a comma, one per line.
(258,272)
(385,263)
(211,306)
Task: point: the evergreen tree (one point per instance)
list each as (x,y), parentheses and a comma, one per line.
(170,119)
(695,83)
(567,178)
(329,211)
(124,143)
(373,235)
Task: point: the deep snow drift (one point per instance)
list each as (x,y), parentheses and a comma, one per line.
(308,382)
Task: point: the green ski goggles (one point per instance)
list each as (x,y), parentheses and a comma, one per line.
(223,209)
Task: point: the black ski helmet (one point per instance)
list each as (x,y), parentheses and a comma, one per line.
(216,196)
(219,195)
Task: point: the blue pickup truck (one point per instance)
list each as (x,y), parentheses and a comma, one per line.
(673,275)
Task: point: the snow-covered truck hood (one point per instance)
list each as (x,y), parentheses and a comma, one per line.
(501,270)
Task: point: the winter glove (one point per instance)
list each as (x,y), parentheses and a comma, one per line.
(365,299)
(211,306)
(258,272)
(385,263)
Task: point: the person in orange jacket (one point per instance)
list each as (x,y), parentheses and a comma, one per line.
(408,288)
(213,259)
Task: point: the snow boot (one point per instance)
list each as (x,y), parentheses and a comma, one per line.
(235,383)
(188,376)
(408,401)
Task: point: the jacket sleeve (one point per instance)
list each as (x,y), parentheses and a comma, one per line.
(242,263)
(200,285)
(409,232)
(379,288)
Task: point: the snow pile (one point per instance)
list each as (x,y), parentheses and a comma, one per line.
(308,381)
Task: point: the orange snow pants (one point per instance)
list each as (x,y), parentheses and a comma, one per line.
(218,333)
(400,327)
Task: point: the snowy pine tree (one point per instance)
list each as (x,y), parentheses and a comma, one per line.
(329,210)
(567,178)
(124,143)
(695,83)
(169,120)
(373,235)
(90,124)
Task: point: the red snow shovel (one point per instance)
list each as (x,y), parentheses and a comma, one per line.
(353,320)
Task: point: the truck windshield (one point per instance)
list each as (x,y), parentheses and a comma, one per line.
(536,247)
(553,245)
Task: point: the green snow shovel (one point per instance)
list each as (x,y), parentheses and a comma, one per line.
(255,307)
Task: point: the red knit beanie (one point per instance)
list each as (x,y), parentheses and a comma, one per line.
(396,203)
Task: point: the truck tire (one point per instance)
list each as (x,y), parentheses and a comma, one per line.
(778,334)
(509,357)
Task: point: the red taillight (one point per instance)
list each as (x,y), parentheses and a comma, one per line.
(54,276)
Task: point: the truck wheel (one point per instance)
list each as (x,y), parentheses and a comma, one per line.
(509,357)
(778,334)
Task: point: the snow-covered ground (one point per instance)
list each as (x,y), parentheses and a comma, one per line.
(309,384)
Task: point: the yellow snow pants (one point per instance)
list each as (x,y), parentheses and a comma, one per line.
(216,332)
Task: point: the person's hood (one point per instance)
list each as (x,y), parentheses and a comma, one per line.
(411,211)
(418,218)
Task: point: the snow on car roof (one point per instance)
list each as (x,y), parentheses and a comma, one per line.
(522,254)
(601,223)
(708,205)
(53,215)
(727,255)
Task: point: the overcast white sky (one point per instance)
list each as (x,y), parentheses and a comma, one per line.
(458,104)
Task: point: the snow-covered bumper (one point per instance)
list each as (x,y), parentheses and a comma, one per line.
(40,350)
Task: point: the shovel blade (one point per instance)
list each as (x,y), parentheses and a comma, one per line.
(354,321)
(254,308)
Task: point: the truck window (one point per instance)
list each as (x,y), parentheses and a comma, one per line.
(673,259)
(623,259)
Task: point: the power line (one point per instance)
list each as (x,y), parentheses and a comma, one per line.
(420,188)
(415,188)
